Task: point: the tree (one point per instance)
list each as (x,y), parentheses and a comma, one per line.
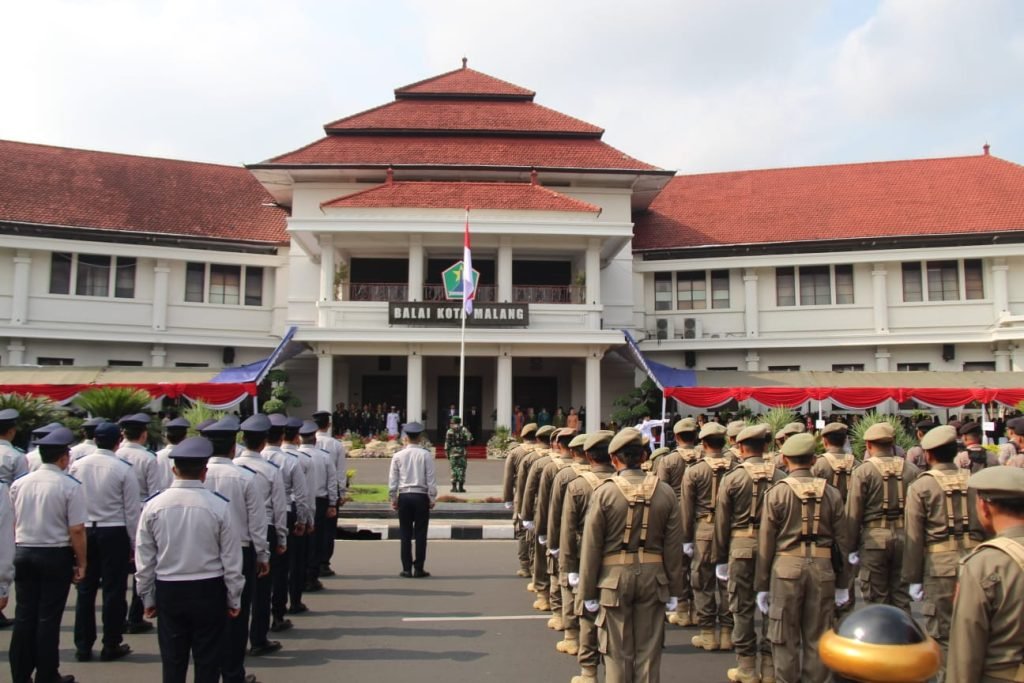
(643,400)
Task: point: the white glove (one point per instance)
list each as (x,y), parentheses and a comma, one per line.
(591,605)
(528,525)
(842,596)
(917,592)
(722,572)
(688,549)
(574,579)
(764,599)
(542,539)
(508,505)
(854,559)
(553,552)
(672,604)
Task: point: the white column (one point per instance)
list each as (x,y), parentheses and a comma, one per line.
(1017,357)
(504,267)
(753,361)
(882,357)
(416,269)
(593,271)
(19,291)
(1000,288)
(1002,354)
(593,405)
(158,355)
(503,387)
(751,311)
(324,380)
(327,268)
(15,352)
(879,293)
(414,384)
(161,273)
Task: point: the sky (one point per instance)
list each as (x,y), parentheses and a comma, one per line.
(692,86)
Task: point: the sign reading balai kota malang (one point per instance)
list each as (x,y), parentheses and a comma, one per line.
(449,314)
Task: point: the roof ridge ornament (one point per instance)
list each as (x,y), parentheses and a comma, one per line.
(465,61)
(390,178)
(986,147)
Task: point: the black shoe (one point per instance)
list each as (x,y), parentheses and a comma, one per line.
(313,586)
(67,678)
(5,621)
(141,627)
(267,648)
(419,574)
(278,625)
(405,574)
(455,489)
(325,570)
(298,609)
(251,678)
(109,654)
(462,488)
(83,655)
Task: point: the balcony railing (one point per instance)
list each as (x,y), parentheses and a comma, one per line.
(521,294)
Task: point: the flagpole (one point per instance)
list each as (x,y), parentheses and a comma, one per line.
(466,278)
(462,361)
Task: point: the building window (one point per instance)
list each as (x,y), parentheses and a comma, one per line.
(785,286)
(724,368)
(49,360)
(815,289)
(974,285)
(847,367)
(980,366)
(719,289)
(124,363)
(943,281)
(844,284)
(225,284)
(691,290)
(912,289)
(191,365)
(913,367)
(783,368)
(815,285)
(663,291)
(93,275)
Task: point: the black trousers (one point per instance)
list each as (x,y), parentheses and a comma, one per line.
(42,581)
(192,621)
(108,552)
(261,598)
(280,569)
(327,545)
(298,552)
(413,518)
(237,636)
(135,609)
(315,546)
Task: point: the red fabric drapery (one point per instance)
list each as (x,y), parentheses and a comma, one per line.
(207,392)
(853,397)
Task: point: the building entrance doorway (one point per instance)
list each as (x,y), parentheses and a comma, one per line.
(388,390)
(448,396)
(536,393)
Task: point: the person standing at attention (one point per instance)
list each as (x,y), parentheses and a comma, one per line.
(412,489)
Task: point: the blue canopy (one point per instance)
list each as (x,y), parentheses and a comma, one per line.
(255,372)
(661,374)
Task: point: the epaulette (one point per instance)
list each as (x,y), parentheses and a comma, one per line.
(271,462)
(222,497)
(153,496)
(17,449)
(126,462)
(28,473)
(246,467)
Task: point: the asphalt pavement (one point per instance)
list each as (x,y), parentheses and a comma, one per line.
(470,621)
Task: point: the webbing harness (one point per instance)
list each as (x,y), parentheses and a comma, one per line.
(634,496)
(1016,552)
(688,454)
(810,492)
(761,475)
(953,483)
(580,467)
(592,479)
(890,469)
(719,466)
(841,469)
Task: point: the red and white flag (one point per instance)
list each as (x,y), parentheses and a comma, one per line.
(468,286)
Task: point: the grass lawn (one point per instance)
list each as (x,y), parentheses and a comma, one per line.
(369,493)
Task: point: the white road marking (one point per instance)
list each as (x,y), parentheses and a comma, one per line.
(514,617)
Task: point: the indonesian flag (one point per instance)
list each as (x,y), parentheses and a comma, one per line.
(468,288)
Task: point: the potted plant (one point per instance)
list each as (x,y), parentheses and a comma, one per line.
(340,280)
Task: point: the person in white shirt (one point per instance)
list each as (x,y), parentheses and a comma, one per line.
(87,445)
(12,460)
(323,483)
(412,489)
(175,432)
(337,453)
(392,422)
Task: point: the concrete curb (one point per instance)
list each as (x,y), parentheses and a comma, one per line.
(374,530)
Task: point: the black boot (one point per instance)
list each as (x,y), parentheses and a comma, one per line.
(455,489)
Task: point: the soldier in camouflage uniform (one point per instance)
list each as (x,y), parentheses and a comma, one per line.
(456,441)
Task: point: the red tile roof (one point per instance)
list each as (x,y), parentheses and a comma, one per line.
(464,81)
(73,187)
(463,115)
(443,150)
(976,194)
(457,195)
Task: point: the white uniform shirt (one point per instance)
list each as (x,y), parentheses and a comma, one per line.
(166,466)
(294,479)
(305,461)
(248,514)
(111,491)
(12,463)
(324,479)
(392,424)
(273,494)
(185,534)
(6,541)
(145,466)
(82,449)
(412,471)
(47,503)
(34,460)
(336,451)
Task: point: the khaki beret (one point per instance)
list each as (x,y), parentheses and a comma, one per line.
(799,445)
(880,431)
(563,433)
(660,451)
(735,427)
(998,483)
(528,429)
(834,427)
(795,428)
(687,424)
(781,434)
(578,441)
(759,431)
(546,430)
(938,436)
(711,429)
(597,438)
(626,437)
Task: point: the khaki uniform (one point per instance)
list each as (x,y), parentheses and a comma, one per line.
(795,566)
(577,498)
(534,465)
(941,528)
(697,499)
(986,642)
(549,567)
(670,470)
(625,564)
(560,580)
(737,518)
(509,496)
(874,513)
(964,462)
(836,466)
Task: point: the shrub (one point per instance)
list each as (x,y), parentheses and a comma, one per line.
(34,411)
(901,437)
